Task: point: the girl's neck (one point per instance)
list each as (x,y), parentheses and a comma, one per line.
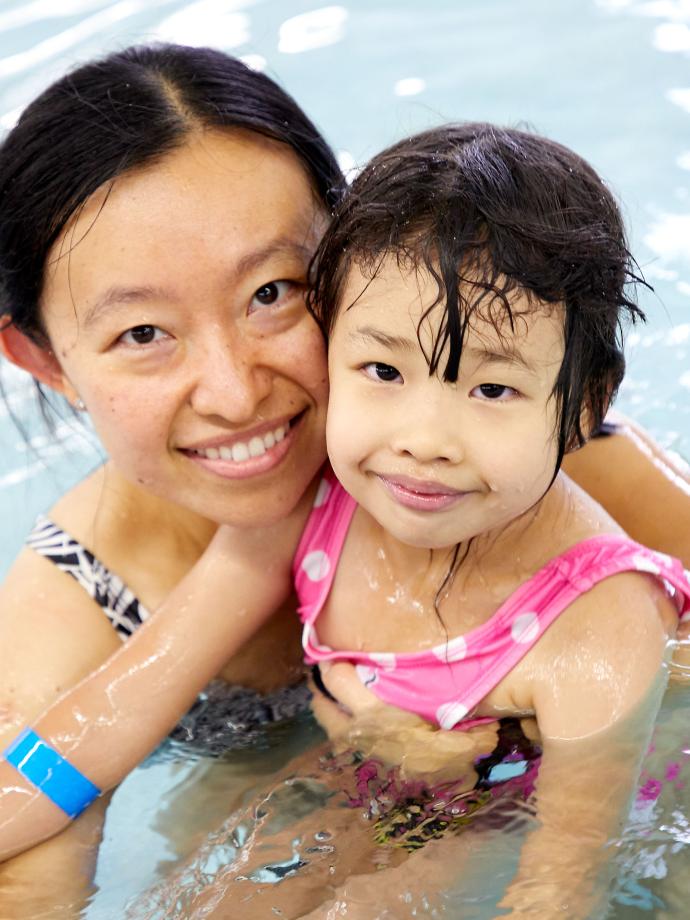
(498,549)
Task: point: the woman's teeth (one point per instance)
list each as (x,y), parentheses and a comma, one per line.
(243,450)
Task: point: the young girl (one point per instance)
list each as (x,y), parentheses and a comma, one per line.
(472,289)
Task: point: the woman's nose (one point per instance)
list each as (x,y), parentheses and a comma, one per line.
(231,382)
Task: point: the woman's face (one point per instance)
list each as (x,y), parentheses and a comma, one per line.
(174,303)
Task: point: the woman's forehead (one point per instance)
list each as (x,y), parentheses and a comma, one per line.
(220,202)
(212,175)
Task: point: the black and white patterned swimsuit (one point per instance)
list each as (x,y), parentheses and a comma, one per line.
(118,603)
(224,717)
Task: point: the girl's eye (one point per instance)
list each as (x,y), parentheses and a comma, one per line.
(273,293)
(142,335)
(384,372)
(497,392)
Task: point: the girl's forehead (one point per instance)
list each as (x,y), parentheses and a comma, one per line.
(405,307)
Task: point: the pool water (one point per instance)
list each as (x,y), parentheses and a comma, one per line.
(611,78)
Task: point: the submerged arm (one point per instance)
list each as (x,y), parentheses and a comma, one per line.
(595,708)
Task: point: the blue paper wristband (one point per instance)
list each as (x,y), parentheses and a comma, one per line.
(54,776)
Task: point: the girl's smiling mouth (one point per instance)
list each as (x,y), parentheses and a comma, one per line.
(249,454)
(421,494)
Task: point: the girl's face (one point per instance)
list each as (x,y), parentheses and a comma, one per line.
(437,463)
(174,303)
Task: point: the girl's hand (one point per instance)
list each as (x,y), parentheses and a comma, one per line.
(360,720)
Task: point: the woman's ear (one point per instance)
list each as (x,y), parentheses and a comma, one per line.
(38,360)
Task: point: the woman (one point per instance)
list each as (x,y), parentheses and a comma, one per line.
(158,211)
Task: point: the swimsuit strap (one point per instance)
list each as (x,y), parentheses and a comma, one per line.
(444,684)
(119,604)
(313,568)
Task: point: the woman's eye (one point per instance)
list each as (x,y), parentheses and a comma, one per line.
(273,293)
(494,391)
(142,335)
(384,372)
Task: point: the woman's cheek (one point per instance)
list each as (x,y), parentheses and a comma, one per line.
(131,425)
(304,356)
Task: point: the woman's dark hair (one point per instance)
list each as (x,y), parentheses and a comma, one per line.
(490,211)
(114,115)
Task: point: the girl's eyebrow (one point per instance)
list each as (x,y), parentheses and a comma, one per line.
(392,342)
(505,355)
(483,356)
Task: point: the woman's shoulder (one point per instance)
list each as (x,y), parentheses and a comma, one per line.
(52,633)
(76,510)
(145,541)
(578,515)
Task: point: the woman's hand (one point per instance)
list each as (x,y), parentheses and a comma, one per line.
(262,554)
(398,738)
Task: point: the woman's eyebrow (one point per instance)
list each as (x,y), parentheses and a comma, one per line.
(122,294)
(283,246)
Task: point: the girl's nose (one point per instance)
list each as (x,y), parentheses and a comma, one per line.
(427,436)
(230,382)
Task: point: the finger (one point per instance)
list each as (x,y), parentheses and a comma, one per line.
(331,716)
(343,683)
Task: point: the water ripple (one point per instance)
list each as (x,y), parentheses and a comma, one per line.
(63,41)
(312,30)
(208,22)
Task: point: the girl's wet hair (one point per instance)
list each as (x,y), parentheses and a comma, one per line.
(492,212)
(123,113)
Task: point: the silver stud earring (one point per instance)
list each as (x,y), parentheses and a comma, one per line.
(79,405)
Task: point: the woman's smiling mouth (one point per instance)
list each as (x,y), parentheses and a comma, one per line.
(256,452)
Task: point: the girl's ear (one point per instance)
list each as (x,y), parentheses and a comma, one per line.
(38,360)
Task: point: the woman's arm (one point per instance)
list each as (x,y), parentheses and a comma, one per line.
(640,485)
(107,723)
(65,865)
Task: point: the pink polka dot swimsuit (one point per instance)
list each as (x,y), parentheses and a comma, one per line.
(445,684)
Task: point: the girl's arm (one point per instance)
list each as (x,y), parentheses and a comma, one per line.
(107,723)
(599,684)
(596,697)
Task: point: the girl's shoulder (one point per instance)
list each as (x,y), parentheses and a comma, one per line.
(616,577)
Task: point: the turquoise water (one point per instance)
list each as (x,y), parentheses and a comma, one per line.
(610,78)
